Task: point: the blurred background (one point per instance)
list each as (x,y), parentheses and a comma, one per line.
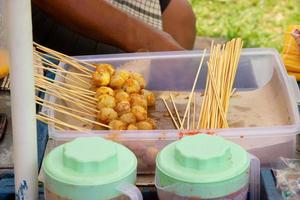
(261,23)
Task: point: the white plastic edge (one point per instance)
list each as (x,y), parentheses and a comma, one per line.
(289,90)
(130,190)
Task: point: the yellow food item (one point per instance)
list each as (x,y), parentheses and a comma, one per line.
(143,125)
(152,122)
(107,115)
(291,52)
(139,112)
(117,125)
(106,100)
(4,63)
(138,100)
(292,62)
(131,86)
(139,78)
(120,95)
(123,73)
(104,90)
(128,118)
(149,96)
(122,99)
(106,67)
(290,45)
(132,127)
(101,78)
(4,70)
(297,75)
(116,81)
(123,107)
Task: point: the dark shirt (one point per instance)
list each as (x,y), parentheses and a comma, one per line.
(51,34)
(164,4)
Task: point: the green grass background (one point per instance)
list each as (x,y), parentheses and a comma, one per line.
(261,23)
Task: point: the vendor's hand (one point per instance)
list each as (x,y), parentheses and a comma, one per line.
(167,43)
(163,43)
(145,38)
(296,35)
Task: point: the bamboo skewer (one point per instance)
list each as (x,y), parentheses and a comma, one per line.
(193,88)
(194,111)
(47,62)
(76,88)
(88,109)
(188,119)
(232,92)
(86,98)
(204,102)
(73,115)
(175,108)
(63,71)
(217,96)
(64,55)
(170,113)
(72,64)
(56,121)
(235,63)
(64,107)
(70,86)
(67,59)
(42,119)
(58,83)
(71,79)
(69,99)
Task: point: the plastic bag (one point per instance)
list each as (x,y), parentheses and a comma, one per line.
(130,191)
(287,173)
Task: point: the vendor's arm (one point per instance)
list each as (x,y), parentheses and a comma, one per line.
(101,21)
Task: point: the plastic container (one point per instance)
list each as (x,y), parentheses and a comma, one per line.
(90,168)
(261,75)
(204,167)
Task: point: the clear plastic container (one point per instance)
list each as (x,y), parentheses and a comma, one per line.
(206,168)
(91,168)
(265,95)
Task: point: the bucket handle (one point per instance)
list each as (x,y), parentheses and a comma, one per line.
(130,190)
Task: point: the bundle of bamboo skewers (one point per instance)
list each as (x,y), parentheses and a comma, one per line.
(222,67)
(75,90)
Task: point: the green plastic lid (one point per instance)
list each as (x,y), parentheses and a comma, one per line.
(90,161)
(206,161)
